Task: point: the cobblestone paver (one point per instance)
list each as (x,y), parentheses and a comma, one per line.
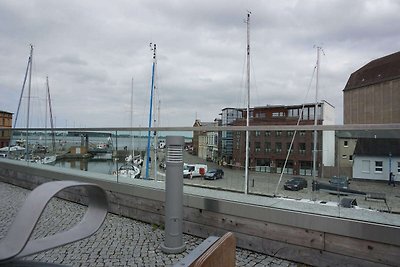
(119,242)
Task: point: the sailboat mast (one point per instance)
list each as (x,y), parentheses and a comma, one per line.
(45,114)
(29,102)
(246,172)
(19,103)
(157,124)
(53,139)
(316,120)
(153,47)
(131,122)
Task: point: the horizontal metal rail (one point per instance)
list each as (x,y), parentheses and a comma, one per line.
(346,127)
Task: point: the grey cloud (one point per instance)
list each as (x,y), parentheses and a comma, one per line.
(92,49)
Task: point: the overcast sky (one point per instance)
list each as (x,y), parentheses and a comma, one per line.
(91,50)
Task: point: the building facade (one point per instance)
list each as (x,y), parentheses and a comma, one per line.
(372,93)
(375,159)
(203,142)
(268,149)
(5,122)
(212,143)
(228,117)
(371,96)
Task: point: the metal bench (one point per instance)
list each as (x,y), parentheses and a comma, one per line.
(17,243)
(214,251)
(376,196)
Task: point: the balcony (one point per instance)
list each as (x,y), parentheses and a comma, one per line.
(96,154)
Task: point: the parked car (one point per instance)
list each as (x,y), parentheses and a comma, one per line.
(214,174)
(194,170)
(340,182)
(295,184)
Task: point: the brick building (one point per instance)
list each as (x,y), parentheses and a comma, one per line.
(268,149)
(6,122)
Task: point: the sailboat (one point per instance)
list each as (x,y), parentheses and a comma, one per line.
(136,160)
(29,155)
(131,167)
(48,159)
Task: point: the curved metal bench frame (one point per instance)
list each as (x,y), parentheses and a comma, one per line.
(16,243)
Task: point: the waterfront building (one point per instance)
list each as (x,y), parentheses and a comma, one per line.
(371,96)
(5,122)
(268,149)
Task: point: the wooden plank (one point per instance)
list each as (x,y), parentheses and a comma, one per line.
(221,253)
(283,233)
(137,202)
(309,256)
(195,254)
(363,249)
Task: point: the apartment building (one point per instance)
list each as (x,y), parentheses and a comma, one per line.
(268,149)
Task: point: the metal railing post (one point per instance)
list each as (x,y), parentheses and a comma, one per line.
(174,196)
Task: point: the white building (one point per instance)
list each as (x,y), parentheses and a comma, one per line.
(374,159)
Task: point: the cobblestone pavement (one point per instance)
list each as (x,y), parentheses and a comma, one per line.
(119,242)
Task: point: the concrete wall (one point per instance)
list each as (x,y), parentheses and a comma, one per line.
(303,237)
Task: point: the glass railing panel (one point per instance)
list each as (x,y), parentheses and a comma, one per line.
(352,173)
(356,174)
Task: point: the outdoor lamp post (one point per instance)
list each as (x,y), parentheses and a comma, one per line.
(174,196)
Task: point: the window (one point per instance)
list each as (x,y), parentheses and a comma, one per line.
(398,167)
(311,113)
(237,145)
(268,147)
(258,133)
(257,146)
(378,166)
(278,147)
(293,112)
(290,133)
(267,133)
(365,166)
(305,114)
(278,133)
(302,148)
(351,157)
(260,115)
(346,143)
(278,114)
(302,133)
